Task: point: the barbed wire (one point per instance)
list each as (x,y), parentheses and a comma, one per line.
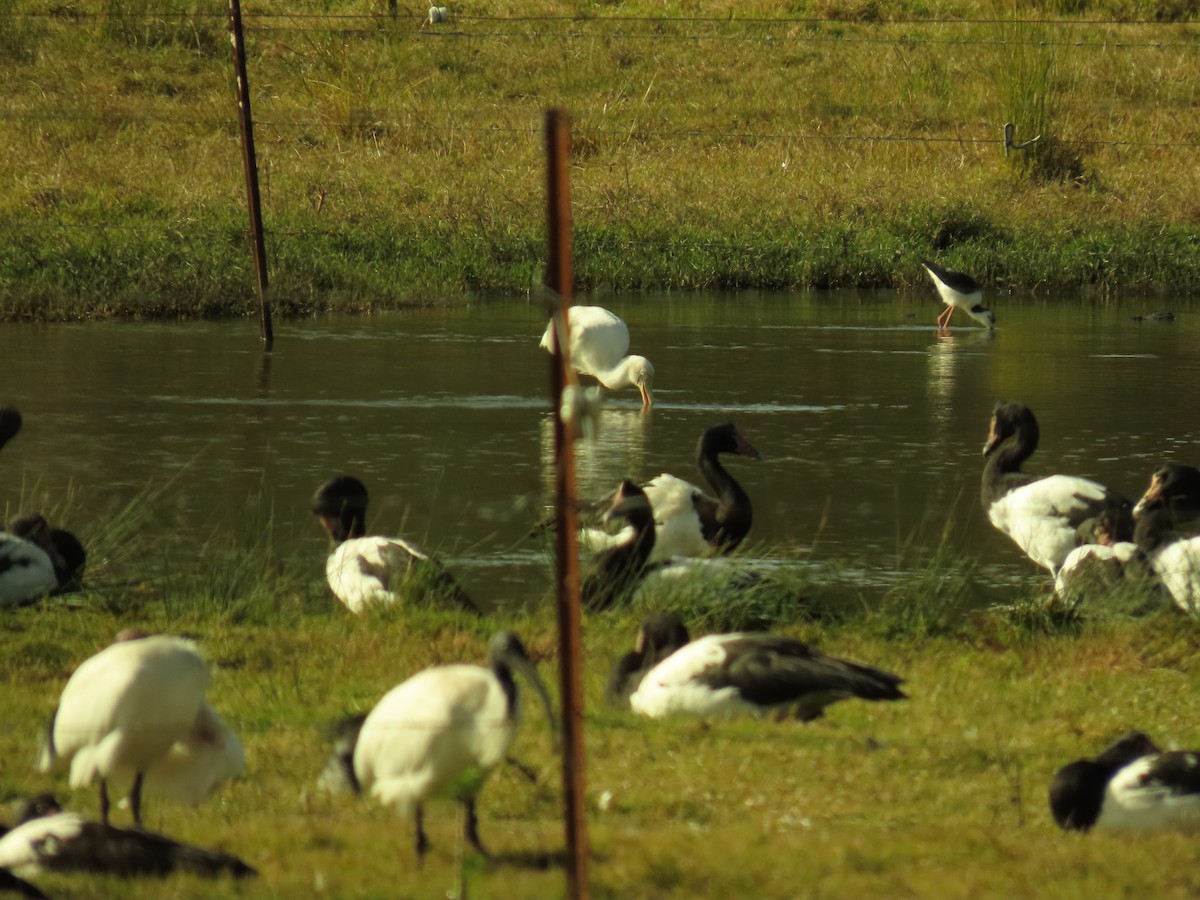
(582,131)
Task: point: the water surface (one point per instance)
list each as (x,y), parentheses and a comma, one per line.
(870,421)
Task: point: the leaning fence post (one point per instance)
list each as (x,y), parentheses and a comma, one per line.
(250,165)
(558,280)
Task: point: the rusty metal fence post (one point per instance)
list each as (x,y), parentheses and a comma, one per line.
(250,165)
(558,279)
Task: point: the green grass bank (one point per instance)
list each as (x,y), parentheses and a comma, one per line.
(754,145)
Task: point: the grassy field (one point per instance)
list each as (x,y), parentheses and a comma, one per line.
(813,143)
(940,795)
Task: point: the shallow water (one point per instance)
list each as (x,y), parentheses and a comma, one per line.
(870,421)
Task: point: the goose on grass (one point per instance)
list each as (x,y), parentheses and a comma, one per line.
(745,672)
(364,571)
(599,347)
(615,573)
(1131,786)
(50,840)
(1041,513)
(444,730)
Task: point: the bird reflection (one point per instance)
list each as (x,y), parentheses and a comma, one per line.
(616,450)
(946,357)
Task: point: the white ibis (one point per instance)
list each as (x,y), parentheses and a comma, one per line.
(365,571)
(10,424)
(688,522)
(136,710)
(1132,785)
(444,729)
(1040,513)
(51,840)
(958,290)
(616,571)
(748,672)
(599,347)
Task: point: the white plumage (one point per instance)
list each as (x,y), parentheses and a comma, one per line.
(1039,517)
(1092,564)
(1177,566)
(599,347)
(748,672)
(136,711)
(25,849)
(365,571)
(1043,515)
(26,571)
(443,730)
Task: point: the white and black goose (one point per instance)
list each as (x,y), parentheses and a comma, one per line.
(615,573)
(365,571)
(1174,557)
(1042,514)
(67,553)
(51,840)
(27,572)
(748,672)
(1174,487)
(1131,786)
(958,290)
(443,730)
(137,711)
(1102,561)
(690,523)
(599,347)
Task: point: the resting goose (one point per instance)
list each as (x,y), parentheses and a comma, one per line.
(748,672)
(26,571)
(67,554)
(1132,785)
(616,572)
(599,347)
(660,635)
(1175,558)
(958,290)
(1040,513)
(1102,560)
(136,710)
(367,571)
(50,840)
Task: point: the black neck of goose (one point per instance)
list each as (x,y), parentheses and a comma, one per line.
(352,525)
(644,533)
(1002,471)
(1152,530)
(733,507)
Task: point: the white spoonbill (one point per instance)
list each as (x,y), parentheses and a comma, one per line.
(444,729)
(958,290)
(599,347)
(1042,514)
(364,571)
(1131,786)
(748,672)
(51,840)
(136,710)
